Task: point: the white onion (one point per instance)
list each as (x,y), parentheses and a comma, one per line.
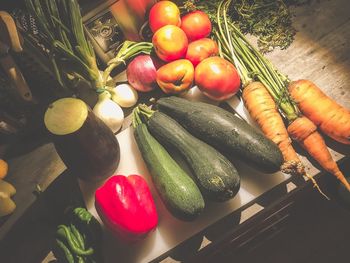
(125,95)
(109,111)
(142,73)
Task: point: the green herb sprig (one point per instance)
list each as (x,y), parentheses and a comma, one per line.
(270,21)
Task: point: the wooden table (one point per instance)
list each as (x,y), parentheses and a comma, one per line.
(320,52)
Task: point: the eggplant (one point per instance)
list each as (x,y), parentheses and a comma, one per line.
(86,145)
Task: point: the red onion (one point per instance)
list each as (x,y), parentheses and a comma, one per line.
(142,73)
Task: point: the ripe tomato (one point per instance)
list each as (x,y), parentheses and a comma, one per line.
(201,49)
(170,43)
(164,13)
(176,77)
(217,78)
(196,25)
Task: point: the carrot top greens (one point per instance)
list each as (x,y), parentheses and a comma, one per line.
(270,21)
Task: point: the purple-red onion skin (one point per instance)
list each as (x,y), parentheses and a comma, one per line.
(142,73)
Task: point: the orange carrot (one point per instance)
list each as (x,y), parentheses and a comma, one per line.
(305,132)
(330,117)
(263,110)
(252,65)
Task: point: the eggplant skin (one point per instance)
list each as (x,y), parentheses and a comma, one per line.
(224,131)
(91,153)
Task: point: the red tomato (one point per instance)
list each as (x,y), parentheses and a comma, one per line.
(170,43)
(176,77)
(201,49)
(196,25)
(164,13)
(217,78)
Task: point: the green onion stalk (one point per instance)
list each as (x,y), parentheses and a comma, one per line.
(71,54)
(62,34)
(127,50)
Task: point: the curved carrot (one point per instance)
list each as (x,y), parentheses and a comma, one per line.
(305,132)
(330,117)
(263,110)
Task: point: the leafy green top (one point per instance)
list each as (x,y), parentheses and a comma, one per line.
(270,21)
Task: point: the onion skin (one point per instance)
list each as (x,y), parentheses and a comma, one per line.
(109,112)
(142,73)
(124,95)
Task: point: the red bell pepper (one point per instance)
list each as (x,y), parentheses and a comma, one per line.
(126,206)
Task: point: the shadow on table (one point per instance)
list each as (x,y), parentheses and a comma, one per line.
(189,248)
(32,236)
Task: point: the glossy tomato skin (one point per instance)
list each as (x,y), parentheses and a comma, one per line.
(201,49)
(196,25)
(176,77)
(164,13)
(217,78)
(170,43)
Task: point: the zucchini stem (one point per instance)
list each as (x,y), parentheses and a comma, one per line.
(141,114)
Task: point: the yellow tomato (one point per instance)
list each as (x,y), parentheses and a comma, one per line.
(170,43)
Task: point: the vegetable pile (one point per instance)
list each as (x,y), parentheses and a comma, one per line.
(73,60)
(203,47)
(190,57)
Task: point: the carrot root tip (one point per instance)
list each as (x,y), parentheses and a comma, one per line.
(293,167)
(297,168)
(315,185)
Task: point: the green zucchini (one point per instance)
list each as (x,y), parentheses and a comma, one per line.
(224,131)
(176,188)
(214,173)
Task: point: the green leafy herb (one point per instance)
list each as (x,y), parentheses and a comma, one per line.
(269,20)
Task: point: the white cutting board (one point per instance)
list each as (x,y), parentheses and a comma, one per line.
(171,231)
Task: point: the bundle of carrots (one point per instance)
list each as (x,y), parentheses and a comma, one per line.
(268,95)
